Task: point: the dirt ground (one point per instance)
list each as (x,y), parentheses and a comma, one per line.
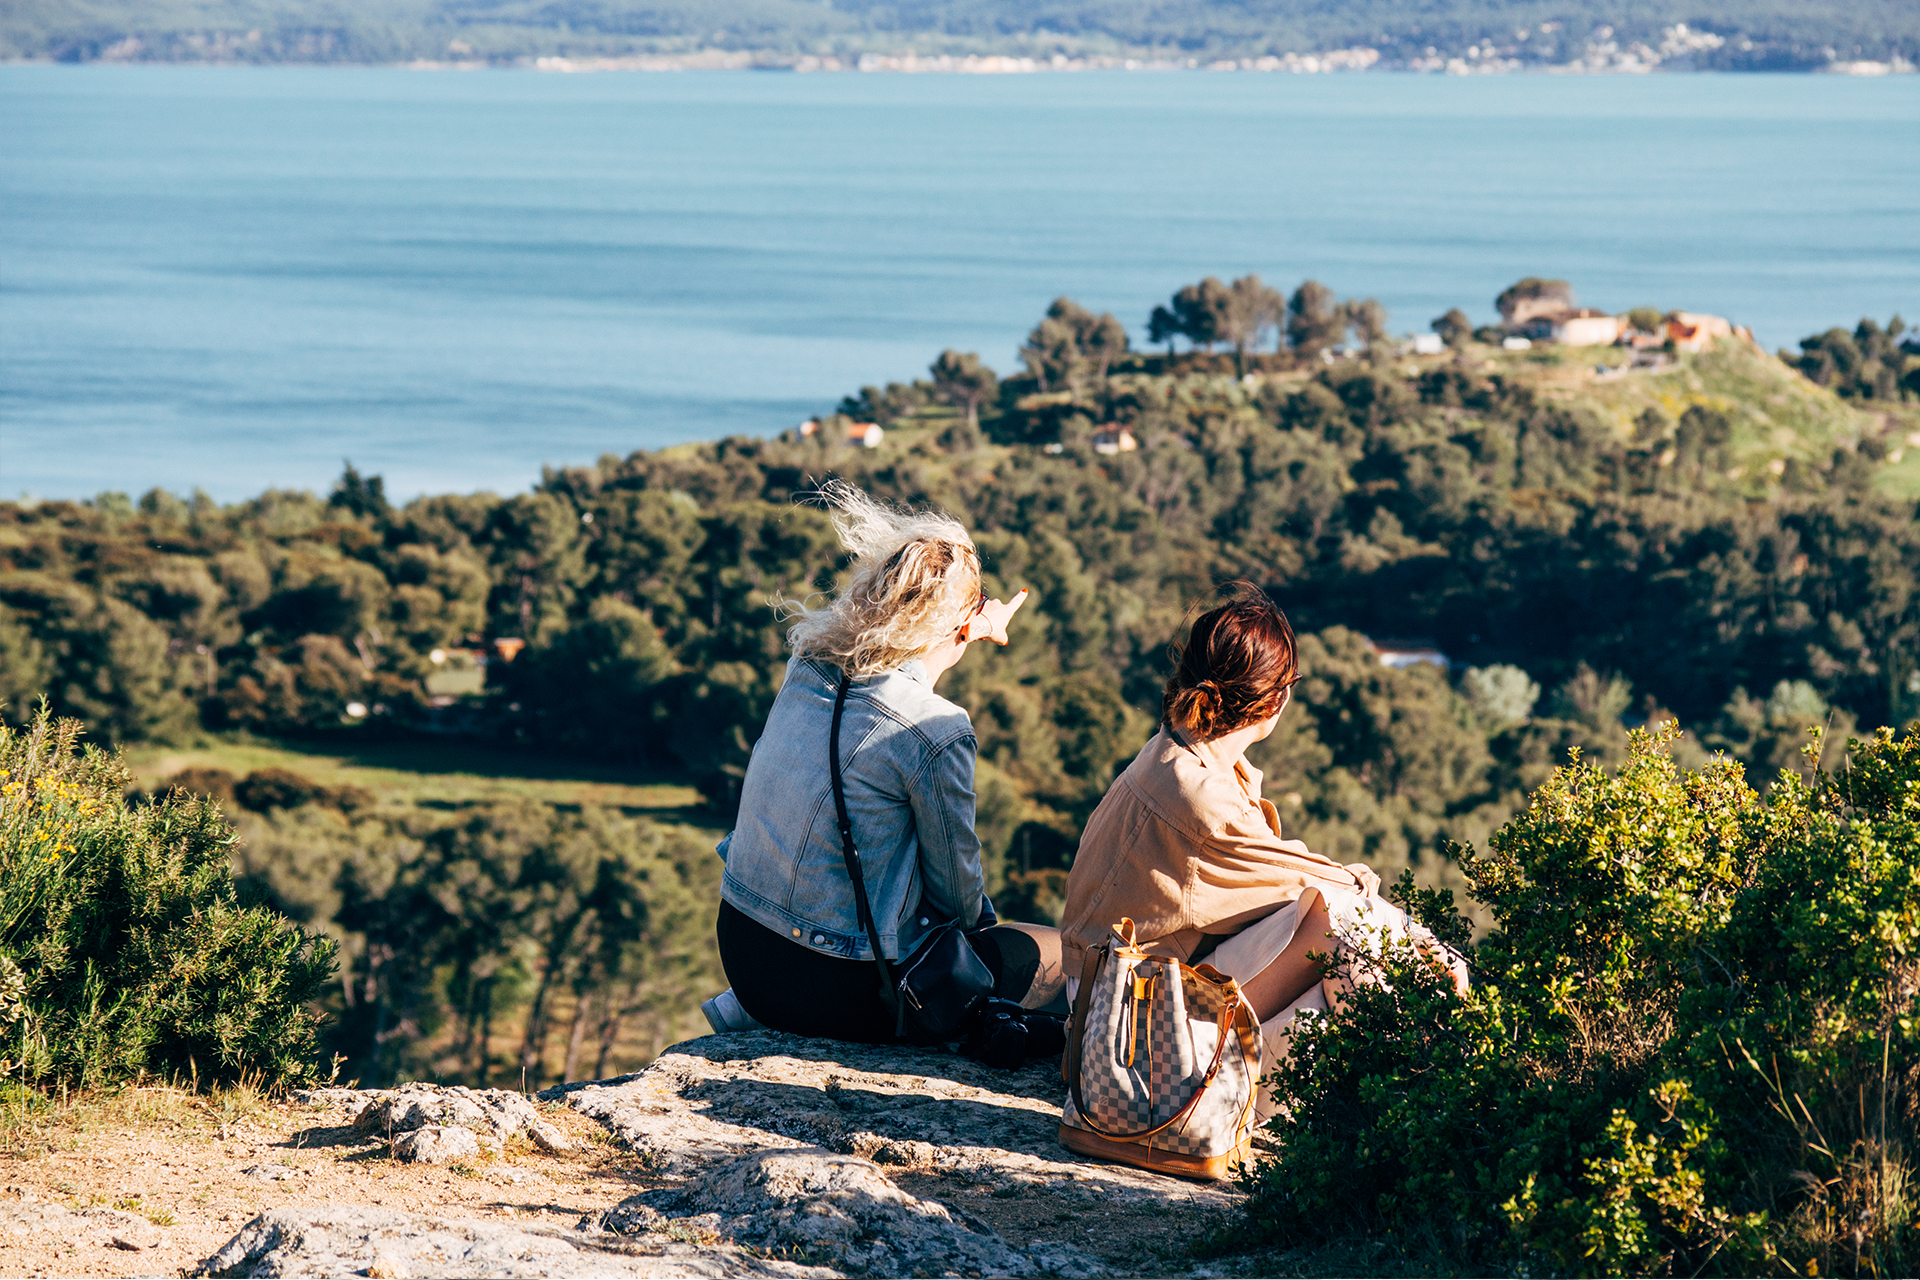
(182,1164)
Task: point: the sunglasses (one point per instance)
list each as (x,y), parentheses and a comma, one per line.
(966,626)
(979,607)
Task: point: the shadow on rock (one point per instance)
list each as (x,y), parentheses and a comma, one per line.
(344,1240)
(830,1209)
(868,1121)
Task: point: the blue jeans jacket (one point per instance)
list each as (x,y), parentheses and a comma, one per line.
(907,758)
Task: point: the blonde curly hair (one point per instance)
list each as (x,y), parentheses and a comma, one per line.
(915,580)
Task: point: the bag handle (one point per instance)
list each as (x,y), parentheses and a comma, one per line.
(888,995)
(1229,1014)
(1091,963)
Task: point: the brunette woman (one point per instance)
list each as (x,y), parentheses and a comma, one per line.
(1185,845)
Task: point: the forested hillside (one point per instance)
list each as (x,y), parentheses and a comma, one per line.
(1746,34)
(1721,541)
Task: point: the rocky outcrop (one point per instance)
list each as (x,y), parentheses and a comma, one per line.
(494,1115)
(346,1240)
(436,1144)
(764,1154)
(832,1209)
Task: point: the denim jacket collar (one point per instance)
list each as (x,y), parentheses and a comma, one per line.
(913,669)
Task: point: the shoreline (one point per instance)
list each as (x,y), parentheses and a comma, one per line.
(1337,62)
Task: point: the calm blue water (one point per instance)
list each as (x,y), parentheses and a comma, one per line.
(234,278)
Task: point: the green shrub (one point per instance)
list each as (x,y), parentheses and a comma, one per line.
(1691,1047)
(123,946)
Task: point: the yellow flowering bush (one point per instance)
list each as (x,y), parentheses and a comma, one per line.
(124,948)
(1692,1046)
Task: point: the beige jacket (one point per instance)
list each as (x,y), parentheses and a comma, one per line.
(1188,849)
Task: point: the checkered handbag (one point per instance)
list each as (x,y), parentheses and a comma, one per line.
(1161,1063)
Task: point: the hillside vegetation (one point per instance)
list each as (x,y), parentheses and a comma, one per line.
(1743,34)
(1691,1045)
(503,911)
(1720,543)
(125,949)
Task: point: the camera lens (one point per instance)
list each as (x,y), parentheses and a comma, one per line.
(1005,1042)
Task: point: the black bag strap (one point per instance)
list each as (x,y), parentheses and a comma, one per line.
(887,992)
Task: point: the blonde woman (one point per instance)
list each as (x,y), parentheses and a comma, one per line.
(791,937)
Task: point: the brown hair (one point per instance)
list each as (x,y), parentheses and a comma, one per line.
(1233,668)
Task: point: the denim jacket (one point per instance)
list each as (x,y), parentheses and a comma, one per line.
(907,758)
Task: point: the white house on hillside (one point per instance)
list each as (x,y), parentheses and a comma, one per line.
(865,435)
(1401,654)
(1577,327)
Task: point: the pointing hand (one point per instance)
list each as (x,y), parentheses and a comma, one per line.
(991,622)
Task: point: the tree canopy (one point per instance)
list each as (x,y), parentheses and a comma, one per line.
(1666,569)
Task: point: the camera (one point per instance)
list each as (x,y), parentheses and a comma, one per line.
(1004,1035)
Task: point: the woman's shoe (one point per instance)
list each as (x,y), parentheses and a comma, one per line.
(724,1013)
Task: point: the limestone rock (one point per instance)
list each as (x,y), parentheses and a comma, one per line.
(333,1096)
(497,1113)
(823,1206)
(1057,1258)
(548,1138)
(803,1146)
(436,1144)
(709,1101)
(762,1154)
(340,1240)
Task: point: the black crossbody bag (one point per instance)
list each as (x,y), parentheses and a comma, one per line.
(943,984)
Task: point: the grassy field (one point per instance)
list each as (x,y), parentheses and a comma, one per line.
(436,773)
(1776,413)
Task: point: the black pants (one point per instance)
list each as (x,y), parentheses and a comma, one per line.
(793,988)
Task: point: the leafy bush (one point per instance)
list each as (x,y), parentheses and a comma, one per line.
(123,946)
(1692,1044)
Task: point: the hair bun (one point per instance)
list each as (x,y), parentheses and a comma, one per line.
(1231,667)
(1199,707)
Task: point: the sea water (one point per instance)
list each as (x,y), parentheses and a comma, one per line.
(235,278)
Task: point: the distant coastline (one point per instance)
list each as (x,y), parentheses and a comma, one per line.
(982,37)
(1333,62)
